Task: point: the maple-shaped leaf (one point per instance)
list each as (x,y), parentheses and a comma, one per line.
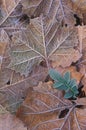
(36,43)
(61,10)
(13,86)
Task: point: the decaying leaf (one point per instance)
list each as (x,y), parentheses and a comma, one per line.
(10,122)
(6,8)
(13,87)
(2,49)
(61,10)
(37,43)
(82,39)
(4,41)
(74,73)
(39,34)
(41,108)
(84,84)
(80,4)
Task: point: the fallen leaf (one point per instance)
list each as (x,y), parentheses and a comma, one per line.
(74,73)
(81,118)
(84,84)
(80,4)
(82,39)
(7,7)
(4,41)
(13,87)
(41,108)
(36,44)
(61,10)
(10,122)
(2,49)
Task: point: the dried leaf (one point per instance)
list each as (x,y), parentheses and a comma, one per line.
(80,4)
(82,39)
(4,40)
(40,110)
(13,87)
(41,107)
(61,10)
(74,73)
(7,7)
(81,118)
(10,122)
(37,43)
(84,84)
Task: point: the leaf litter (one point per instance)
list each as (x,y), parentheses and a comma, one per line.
(32,33)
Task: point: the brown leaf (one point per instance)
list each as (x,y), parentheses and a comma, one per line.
(41,107)
(81,118)
(80,4)
(74,73)
(82,39)
(2,49)
(40,110)
(68,55)
(81,101)
(14,87)
(61,10)
(4,41)
(38,44)
(7,7)
(10,122)
(84,83)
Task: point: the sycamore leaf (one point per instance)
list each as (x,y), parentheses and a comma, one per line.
(14,87)
(41,108)
(62,10)
(36,44)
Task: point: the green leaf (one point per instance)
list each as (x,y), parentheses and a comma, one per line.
(60,86)
(69,94)
(67,76)
(57,84)
(72,83)
(55,75)
(75,90)
(64,83)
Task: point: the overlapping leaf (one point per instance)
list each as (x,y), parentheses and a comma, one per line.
(8,121)
(62,10)
(6,8)
(13,87)
(37,43)
(64,83)
(41,110)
